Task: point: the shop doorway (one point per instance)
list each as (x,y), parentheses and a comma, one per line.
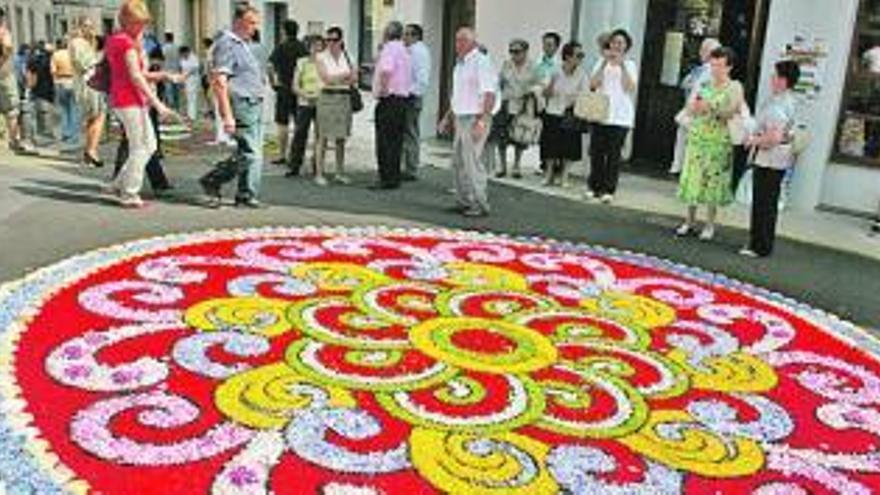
(674,32)
(456,13)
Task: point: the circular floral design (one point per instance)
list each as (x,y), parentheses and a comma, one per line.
(385,361)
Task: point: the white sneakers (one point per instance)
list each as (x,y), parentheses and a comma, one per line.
(708,233)
(685,229)
(748,253)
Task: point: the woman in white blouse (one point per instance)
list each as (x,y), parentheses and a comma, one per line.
(561,138)
(616,77)
(334,105)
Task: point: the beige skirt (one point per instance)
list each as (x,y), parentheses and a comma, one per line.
(91,102)
(334,115)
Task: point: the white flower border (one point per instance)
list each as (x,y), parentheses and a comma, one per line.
(39,470)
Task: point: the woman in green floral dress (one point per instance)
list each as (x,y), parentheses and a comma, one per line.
(708,168)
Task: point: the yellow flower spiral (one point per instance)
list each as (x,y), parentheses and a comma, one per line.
(673,438)
(267,397)
(502,463)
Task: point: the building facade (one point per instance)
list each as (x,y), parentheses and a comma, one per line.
(30,20)
(68,12)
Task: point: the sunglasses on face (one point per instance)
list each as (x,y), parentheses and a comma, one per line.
(515,51)
(331,40)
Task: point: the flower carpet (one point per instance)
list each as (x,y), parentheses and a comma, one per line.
(382,361)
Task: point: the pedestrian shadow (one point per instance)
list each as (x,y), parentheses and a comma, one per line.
(71,187)
(68,196)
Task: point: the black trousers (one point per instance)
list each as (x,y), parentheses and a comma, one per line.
(766,185)
(606,144)
(390,117)
(155,172)
(740,165)
(304,118)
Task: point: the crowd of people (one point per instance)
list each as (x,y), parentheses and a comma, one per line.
(552,101)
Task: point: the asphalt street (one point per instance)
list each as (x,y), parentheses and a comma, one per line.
(50,210)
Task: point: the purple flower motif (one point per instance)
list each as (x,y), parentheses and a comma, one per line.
(243,475)
(95,339)
(121,377)
(855,417)
(77,372)
(73,352)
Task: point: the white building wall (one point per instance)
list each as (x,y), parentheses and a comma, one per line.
(601,16)
(816,180)
(499,21)
(328,12)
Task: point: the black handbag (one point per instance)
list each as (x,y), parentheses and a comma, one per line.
(354,94)
(573,123)
(357,101)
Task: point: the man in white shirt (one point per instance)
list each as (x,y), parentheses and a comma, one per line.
(189,67)
(171,53)
(474,101)
(420,58)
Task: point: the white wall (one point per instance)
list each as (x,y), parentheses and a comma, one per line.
(499,21)
(601,16)
(330,12)
(816,181)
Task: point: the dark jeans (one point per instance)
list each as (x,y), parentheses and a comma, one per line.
(155,172)
(766,185)
(246,162)
(390,120)
(606,144)
(304,118)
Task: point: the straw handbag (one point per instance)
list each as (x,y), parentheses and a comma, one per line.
(593,106)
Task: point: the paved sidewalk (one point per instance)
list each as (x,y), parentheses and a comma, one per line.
(657,196)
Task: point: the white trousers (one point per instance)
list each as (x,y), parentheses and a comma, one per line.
(141,146)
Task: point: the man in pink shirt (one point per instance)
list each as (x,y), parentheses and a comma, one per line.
(392,82)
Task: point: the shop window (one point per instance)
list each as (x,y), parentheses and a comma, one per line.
(858,136)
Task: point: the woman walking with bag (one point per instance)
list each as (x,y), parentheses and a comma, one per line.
(615,76)
(519,119)
(93,109)
(131,97)
(334,111)
(708,166)
(562,136)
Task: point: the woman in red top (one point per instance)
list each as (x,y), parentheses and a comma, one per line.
(131,96)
